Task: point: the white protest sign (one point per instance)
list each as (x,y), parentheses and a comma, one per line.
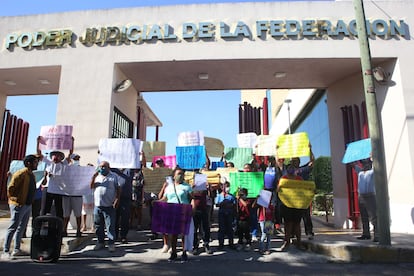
(190,138)
(73,180)
(247,140)
(120,152)
(266,145)
(264,198)
(200,182)
(57,137)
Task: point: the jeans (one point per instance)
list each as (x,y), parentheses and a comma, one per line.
(264,238)
(19,217)
(225,226)
(123,213)
(368,210)
(104,218)
(253,222)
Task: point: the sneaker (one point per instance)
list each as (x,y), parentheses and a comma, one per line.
(254,239)
(207,249)
(78,234)
(285,246)
(6,256)
(310,236)
(375,239)
(99,246)
(18,252)
(172,257)
(267,252)
(124,240)
(165,248)
(111,248)
(364,237)
(247,247)
(184,257)
(195,251)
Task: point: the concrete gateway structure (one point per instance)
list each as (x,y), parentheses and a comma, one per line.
(83,56)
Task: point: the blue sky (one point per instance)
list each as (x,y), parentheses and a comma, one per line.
(219,120)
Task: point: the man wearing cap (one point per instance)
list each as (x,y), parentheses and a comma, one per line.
(20,193)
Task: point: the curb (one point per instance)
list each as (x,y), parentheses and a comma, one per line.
(363,254)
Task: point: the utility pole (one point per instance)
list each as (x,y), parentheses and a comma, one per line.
(288,101)
(375,129)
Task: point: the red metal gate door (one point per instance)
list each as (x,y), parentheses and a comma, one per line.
(13,147)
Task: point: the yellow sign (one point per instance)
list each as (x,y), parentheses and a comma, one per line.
(155,178)
(296,193)
(293,145)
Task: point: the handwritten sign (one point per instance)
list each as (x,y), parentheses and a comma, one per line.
(296,193)
(190,138)
(191,157)
(214,147)
(57,137)
(120,152)
(247,140)
(171,218)
(264,198)
(293,145)
(72,180)
(169,161)
(200,182)
(357,150)
(266,145)
(252,181)
(225,172)
(239,156)
(153,148)
(155,178)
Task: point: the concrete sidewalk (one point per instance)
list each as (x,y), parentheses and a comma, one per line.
(338,244)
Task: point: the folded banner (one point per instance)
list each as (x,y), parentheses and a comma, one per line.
(171,218)
(296,193)
(357,150)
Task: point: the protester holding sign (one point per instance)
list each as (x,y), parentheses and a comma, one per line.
(291,216)
(366,199)
(54,169)
(179,192)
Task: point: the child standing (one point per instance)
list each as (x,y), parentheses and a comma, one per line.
(266,218)
(244,207)
(226,203)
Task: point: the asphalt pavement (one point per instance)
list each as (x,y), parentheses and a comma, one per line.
(329,244)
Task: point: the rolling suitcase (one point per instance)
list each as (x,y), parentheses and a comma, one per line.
(46,239)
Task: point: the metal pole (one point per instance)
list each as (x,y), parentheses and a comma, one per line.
(288,101)
(374,124)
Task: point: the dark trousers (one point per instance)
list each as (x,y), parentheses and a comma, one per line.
(123,213)
(200,219)
(243,231)
(225,218)
(307,220)
(57,199)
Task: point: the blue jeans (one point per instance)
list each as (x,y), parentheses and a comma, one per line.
(104,218)
(225,219)
(19,217)
(265,238)
(253,222)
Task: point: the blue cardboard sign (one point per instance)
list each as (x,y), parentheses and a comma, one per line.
(357,150)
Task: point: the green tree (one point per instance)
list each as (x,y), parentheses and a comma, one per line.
(322,174)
